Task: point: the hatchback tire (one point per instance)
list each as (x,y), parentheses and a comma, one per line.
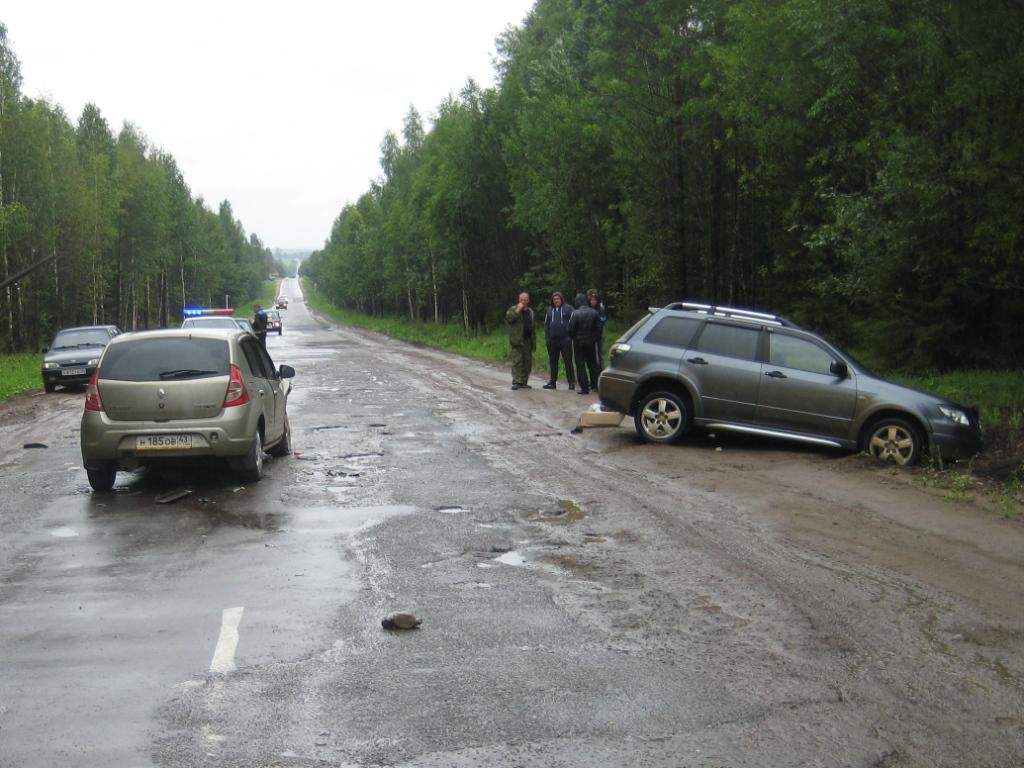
(284,445)
(661,417)
(894,440)
(250,466)
(102,479)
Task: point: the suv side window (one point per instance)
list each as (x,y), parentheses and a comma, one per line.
(252,356)
(674,332)
(791,352)
(730,341)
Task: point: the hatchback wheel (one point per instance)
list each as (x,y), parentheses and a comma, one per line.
(102,479)
(895,440)
(250,466)
(661,417)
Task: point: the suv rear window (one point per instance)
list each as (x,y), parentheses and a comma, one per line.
(674,332)
(729,341)
(164,359)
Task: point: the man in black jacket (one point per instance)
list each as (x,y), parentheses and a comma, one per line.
(556,334)
(585,329)
(259,323)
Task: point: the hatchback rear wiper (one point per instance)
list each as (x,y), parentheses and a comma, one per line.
(182,373)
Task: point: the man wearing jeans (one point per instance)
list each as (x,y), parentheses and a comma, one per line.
(559,343)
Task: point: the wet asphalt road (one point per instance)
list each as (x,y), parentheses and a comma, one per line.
(587,601)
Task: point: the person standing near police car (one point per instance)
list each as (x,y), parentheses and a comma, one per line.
(521,339)
(585,330)
(259,323)
(559,343)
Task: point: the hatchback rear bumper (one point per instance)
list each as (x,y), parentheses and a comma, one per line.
(105,440)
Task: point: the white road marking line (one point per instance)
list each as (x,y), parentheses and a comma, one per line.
(224,654)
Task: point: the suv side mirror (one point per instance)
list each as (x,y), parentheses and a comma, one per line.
(286,372)
(839,369)
(45,350)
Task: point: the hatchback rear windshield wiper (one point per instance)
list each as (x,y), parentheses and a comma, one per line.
(182,373)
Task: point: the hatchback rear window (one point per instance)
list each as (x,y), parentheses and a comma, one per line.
(165,359)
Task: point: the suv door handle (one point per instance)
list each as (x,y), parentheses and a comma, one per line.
(776,374)
(697,360)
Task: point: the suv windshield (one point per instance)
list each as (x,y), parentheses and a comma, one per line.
(92,337)
(168,358)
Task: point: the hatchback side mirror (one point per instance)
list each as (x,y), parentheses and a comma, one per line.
(286,372)
(839,369)
(45,350)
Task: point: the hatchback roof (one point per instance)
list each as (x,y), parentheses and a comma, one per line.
(180,333)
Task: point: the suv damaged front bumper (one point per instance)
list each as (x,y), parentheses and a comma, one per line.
(955,442)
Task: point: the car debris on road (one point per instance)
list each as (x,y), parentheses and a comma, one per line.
(401,620)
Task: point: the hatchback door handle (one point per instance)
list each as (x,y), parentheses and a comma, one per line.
(776,374)
(697,360)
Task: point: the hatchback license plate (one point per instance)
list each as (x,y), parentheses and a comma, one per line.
(163,442)
(73,372)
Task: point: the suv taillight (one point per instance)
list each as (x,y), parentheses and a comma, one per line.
(92,393)
(237,394)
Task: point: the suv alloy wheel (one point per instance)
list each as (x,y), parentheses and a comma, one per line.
(661,417)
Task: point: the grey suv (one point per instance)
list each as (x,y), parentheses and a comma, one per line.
(697,365)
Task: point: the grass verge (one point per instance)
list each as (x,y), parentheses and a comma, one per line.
(19,373)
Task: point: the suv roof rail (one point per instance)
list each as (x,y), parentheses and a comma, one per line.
(733,312)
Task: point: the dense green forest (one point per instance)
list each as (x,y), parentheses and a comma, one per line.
(132,244)
(856,164)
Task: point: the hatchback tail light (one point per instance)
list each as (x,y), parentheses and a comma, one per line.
(237,394)
(92,393)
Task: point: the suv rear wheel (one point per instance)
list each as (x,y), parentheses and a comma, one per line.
(661,417)
(895,440)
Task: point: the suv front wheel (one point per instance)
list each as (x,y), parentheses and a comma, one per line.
(661,417)
(894,440)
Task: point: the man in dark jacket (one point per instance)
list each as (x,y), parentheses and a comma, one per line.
(594,300)
(556,334)
(585,329)
(259,323)
(521,339)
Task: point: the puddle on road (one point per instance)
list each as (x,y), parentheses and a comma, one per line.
(511,558)
(64,532)
(568,511)
(450,510)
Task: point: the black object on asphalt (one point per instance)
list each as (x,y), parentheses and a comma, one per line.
(400,620)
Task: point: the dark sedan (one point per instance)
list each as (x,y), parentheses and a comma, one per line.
(74,354)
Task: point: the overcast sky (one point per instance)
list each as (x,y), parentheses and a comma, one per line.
(278,107)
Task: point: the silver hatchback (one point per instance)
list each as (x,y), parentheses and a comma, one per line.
(185,393)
